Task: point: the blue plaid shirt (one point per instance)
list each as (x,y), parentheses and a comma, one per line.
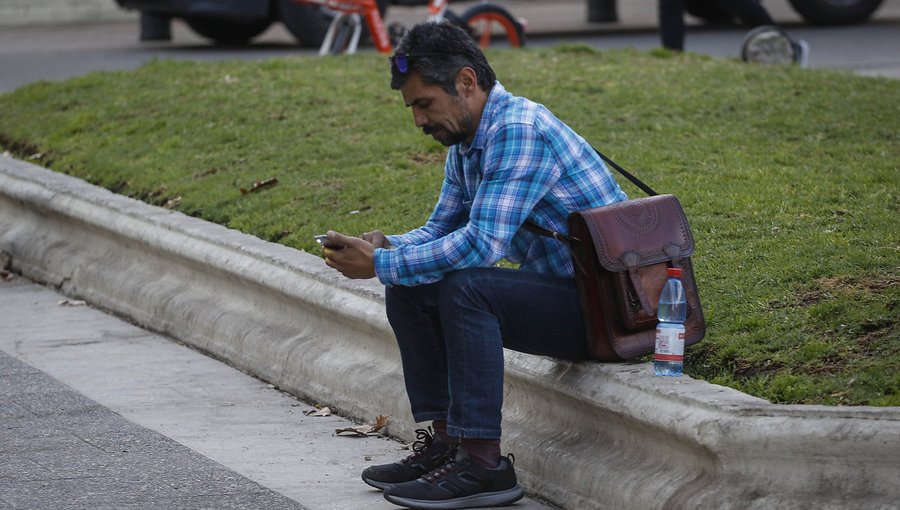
(522,163)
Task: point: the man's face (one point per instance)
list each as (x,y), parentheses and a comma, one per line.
(443,116)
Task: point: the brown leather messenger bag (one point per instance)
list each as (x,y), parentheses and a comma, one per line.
(621,252)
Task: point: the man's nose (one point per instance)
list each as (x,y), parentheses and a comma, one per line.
(419,119)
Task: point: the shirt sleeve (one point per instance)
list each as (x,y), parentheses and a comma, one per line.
(518,169)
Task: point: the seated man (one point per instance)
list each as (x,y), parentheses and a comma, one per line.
(451,309)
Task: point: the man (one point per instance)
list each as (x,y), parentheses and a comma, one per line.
(451,309)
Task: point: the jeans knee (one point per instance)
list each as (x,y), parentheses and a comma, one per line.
(402,300)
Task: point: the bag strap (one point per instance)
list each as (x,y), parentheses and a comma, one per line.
(541,231)
(634,180)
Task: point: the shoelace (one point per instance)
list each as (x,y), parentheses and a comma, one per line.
(441,472)
(424,439)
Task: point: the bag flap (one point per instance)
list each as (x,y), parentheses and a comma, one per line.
(636,232)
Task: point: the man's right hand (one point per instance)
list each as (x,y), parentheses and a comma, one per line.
(377,238)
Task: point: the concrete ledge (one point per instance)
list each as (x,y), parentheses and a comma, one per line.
(585,435)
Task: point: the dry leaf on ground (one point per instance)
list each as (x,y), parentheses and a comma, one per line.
(367,430)
(271,181)
(325,411)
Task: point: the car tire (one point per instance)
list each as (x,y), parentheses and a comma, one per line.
(307,23)
(835,12)
(227,32)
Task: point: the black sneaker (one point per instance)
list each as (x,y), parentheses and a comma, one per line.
(460,483)
(429,452)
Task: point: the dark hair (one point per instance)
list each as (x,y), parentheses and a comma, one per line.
(446,48)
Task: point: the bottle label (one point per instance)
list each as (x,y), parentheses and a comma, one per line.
(669,344)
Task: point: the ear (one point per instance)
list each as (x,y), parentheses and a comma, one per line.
(466,81)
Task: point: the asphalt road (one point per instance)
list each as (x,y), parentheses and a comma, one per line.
(56,52)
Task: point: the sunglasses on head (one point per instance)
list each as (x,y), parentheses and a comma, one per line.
(401,60)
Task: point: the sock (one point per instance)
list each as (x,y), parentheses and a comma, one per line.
(440,430)
(485,452)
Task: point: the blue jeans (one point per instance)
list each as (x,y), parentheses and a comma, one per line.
(451,336)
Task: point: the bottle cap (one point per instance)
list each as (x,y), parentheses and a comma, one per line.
(674,272)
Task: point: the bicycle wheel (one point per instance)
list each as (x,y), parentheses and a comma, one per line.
(486,20)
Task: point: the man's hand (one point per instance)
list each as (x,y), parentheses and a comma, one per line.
(377,238)
(355,260)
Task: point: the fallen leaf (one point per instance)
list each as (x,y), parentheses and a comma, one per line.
(257,185)
(366,430)
(319,412)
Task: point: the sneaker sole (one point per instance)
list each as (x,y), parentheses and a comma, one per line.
(485,499)
(378,485)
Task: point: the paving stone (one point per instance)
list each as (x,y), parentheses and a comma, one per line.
(62,450)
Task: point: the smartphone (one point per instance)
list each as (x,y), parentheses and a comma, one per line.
(323,240)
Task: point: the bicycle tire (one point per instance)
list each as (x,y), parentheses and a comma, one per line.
(482,19)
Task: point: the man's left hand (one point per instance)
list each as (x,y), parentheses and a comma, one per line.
(355,260)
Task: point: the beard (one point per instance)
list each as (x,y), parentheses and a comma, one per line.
(448,136)
(445,135)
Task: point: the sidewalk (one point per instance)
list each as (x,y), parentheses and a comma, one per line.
(100,414)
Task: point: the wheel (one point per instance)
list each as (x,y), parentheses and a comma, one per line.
(307,23)
(227,31)
(768,45)
(835,12)
(484,20)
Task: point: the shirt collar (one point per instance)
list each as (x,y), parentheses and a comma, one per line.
(495,98)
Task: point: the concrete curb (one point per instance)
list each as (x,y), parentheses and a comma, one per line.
(585,435)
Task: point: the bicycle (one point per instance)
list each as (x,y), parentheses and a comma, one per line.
(482,21)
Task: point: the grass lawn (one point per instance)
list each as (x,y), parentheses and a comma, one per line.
(789,177)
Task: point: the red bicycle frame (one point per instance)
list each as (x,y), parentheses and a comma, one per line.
(352,10)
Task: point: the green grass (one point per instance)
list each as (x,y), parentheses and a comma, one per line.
(789,178)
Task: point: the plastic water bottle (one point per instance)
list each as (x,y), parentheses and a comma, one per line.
(671,312)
